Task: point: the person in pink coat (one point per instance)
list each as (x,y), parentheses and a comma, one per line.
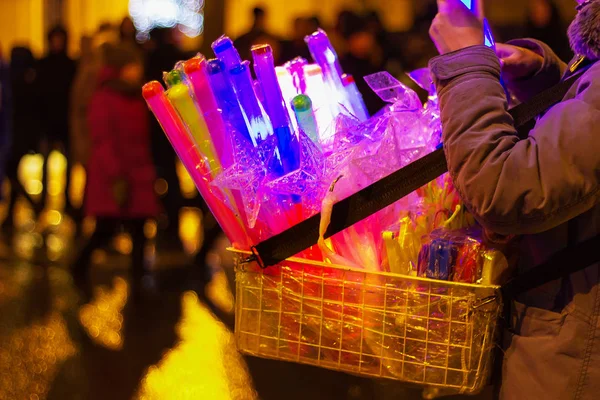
(121,176)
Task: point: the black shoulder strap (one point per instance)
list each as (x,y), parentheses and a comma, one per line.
(352,209)
(523,113)
(386,191)
(567,261)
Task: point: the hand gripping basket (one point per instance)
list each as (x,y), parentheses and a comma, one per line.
(434,333)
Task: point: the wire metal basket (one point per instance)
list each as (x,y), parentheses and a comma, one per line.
(434,333)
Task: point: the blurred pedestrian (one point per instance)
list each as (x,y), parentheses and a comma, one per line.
(544,23)
(362,58)
(120,189)
(106,33)
(127,32)
(338,35)
(55,77)
(313,24)
(5,114)
(25,124)
(258,34)
(84,85)
(259,25)
(296,47)
(390,52)
(375,26)
(161,58)
(415,45)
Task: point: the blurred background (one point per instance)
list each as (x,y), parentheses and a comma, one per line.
(68,326)
(25,22)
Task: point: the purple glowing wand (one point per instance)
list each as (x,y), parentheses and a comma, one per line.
(288,144)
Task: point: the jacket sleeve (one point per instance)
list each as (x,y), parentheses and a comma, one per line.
(547,76)
(104,136)
(516,186)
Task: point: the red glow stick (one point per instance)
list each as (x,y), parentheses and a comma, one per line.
(194,162)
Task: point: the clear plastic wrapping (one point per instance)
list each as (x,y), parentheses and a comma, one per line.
(435,333)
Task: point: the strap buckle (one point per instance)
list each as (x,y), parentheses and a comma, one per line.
(254,257)
(576,64)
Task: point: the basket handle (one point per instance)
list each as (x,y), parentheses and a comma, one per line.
(392,188)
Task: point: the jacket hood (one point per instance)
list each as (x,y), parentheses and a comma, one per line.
(584,32)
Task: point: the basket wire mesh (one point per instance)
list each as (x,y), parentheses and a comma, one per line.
(417,330)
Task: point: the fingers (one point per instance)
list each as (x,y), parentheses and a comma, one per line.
(505,50)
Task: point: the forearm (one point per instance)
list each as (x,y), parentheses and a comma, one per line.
(512,186)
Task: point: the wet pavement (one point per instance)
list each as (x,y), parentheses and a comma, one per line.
(174,342)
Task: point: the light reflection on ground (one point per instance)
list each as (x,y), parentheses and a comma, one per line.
(32,352)
(170,348)
(206,350)
(31,357)
(102,318)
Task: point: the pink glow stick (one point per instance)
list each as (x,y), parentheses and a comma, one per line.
(195,69)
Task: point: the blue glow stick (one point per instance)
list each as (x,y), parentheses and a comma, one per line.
(256,119)
(469,4)
(264,67)
(226,52)
(491,43)
(487,34)
(289,146)
(258,122)
(226,98)
(325,56)
(260,128)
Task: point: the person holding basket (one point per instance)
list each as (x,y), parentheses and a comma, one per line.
(543,189)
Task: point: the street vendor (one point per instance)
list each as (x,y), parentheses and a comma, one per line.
(544,188)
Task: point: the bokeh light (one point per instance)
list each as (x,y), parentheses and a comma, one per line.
(123,243)
(150,229)
(31,357)
(77,188)
(102,318)
(188,188)
(161,187)
(30,173)
(53,217)
(190,230)
(149,14)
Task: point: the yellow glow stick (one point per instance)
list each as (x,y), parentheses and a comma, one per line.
(181,98)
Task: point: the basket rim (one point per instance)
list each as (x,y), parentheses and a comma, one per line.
(382,273)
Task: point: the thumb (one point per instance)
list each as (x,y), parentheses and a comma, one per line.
(504,50)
